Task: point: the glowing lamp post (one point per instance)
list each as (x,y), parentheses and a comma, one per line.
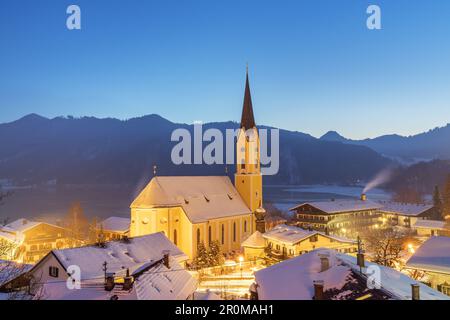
(241,259)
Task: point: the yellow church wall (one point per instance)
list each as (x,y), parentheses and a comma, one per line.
(169,220)
(230,243)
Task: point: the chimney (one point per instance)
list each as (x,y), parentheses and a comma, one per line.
(415,292)
(166,254)
(127,281)
(324,262)
(109,282)
(363,197)
(318,289)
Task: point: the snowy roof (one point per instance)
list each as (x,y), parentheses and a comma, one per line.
(207,295)
(22,225)
(117,224)
(430,224)
(293,235)
(119,255)
(256,240)
(341,205)
(201,197)
(156,283)
(10,270)
(293,279)
(11,235)
(405,209)
(432,255)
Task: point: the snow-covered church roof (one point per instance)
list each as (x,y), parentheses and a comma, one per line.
(293,279)
(432,255)
(201,197)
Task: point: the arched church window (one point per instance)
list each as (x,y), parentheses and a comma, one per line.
(198,236)
(245,226)
(175,237)
(223,234)
(209,235)
(234,231)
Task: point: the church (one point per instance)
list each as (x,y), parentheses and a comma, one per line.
(194,209)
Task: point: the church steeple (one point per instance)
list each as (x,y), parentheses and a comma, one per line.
(247,119)
(248,178)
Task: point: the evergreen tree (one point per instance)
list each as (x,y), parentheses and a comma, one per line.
(446,198)
(215,253)
(201,260)
(437,202)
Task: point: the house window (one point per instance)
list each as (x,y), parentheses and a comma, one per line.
(223,234)
(175,237)
(234,231)
(53,272)
(445,289)
(198,236)
(245,226)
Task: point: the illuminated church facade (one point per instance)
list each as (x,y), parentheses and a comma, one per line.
(194,209)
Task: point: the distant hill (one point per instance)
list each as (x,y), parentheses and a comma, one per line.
(429,145)
(88,150)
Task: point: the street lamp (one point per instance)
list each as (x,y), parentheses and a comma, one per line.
(241,259)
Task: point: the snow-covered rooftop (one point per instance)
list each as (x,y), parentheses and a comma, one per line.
(201,197)
(119,255)
(432,255)
(293,279)
(22,225)
(256,240)
(10,270)
(293,235)
(431,224)
(11,235)
(341,205)
(155,283)
(404,209)
(117,224)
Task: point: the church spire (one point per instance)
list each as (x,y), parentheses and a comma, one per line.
(247,119)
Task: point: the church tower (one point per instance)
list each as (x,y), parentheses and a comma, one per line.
(248,178)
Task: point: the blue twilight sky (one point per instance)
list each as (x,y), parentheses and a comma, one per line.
(314,66)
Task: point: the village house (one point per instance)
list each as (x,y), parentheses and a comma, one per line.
(200,209)
(285,241)
(432,263)
(114,228)
(324,274)
(405,214)
(338,216)
(143,268)
(38,239)
(428,228)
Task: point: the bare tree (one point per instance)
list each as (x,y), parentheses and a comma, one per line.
(385,246)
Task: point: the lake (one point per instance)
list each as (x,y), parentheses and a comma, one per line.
(52,203)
